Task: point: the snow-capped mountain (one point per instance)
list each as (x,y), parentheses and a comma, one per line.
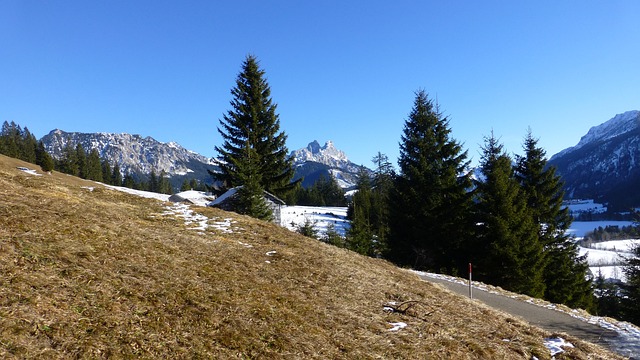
(605,164)
(314,161)
(133,153)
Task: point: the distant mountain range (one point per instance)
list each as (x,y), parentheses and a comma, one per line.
(605,164)
(140,155)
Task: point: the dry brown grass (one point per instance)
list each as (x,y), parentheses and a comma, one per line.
(102,274)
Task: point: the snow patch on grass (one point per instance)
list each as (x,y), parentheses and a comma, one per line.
(556,345)
(397,326)
(28,171)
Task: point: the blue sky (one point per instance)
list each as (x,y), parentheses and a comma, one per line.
(339,70)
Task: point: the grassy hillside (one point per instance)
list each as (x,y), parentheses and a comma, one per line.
(96,273)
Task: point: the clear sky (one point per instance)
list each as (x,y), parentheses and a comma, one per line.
(339,70)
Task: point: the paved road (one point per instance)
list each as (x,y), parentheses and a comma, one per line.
(548,319)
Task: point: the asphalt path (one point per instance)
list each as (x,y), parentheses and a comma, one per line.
(547,319)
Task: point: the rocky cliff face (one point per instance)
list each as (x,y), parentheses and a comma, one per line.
(133,153)
(605,164)
(314,161)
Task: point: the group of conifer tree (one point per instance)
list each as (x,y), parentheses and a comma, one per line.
(508,220)
(20,143)
(77,162)
(434,214)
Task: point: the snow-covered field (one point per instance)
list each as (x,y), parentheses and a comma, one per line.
(585,206)
(321,217)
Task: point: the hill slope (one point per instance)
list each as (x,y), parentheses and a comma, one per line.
(90,272)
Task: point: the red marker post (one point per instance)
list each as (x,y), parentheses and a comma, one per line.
(470,292)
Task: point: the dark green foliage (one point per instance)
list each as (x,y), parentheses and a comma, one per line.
(613,232)
(68,164)
(382,186)
(10,139)
(116,176)
(106,172)
(94,166)
(43,158)
(252,122)
(631,288)
(324,192)
(19,143)
(307,228)
(164,186)
(509,253)
(82,161)
(192,184)
(565,273)
(360,235)
(128,181)
(250,200)
(607,295)
(331,236)
(430,204)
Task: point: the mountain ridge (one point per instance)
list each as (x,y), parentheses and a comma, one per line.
(605,164)
(139,155)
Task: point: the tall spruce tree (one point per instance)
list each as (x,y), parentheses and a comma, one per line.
(43,158)
(508,252)
(631,288)
(94,166)
(566,274)
(250,200)
(382,186)
(81,160)
(253,121)
(360,235)
(429,222)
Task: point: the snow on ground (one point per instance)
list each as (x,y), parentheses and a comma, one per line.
(294,216)
(607,257)
(556,345)
(585,206)
(627,343)
(144,194)
(197,222)
(596,257)
(29,171)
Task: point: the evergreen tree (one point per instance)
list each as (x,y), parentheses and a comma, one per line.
(429,222)
(308,229)
(68,163)
(565,273)
(43,158)
(631,288)
(164,186)
(360,235)
(128,181)
(10,139)
(185,185)
(106,172)
(253,121)
(250,200)
(509,254)
(94,166)
(116,176)
(607,294)
(331,236)
(382,186)
(81,160)
(28,146)
(154,184)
